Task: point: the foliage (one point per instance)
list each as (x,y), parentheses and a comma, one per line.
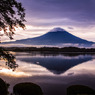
(9,58)
(3,87)
(80,90)
(52,49)
(27,88)
(12,16)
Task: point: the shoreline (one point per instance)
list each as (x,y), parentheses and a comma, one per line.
(64,50)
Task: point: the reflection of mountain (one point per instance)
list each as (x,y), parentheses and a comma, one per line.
(57,64)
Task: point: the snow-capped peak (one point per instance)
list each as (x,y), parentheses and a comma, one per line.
(57,29)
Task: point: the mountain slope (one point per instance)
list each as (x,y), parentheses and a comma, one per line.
(57,36)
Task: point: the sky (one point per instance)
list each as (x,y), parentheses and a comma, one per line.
(75,16)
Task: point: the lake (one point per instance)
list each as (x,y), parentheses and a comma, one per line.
(52,72)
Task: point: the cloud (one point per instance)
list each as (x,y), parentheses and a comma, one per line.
(75,16)
(81,11)
(70,27)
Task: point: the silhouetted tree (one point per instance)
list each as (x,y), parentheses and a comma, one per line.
(27,88)
(80,90)
(3,87)
(12,16)
(9,58)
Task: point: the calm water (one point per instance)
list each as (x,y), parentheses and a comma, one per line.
(53,72)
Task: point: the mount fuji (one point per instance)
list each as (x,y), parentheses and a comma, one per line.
(55,37)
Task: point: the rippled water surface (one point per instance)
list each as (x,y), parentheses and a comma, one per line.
(53,72)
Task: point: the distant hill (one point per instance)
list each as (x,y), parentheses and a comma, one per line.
(57,36)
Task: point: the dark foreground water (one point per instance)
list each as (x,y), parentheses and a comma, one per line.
(52,72)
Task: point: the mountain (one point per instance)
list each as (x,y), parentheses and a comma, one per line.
(56,36)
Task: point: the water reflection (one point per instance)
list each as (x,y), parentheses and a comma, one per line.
(53,73)
(56,64)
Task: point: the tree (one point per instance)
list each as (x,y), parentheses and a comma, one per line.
(9,59)
(12,15)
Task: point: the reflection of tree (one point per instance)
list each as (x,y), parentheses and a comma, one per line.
(9,58)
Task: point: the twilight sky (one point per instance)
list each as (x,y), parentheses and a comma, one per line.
(75,16)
